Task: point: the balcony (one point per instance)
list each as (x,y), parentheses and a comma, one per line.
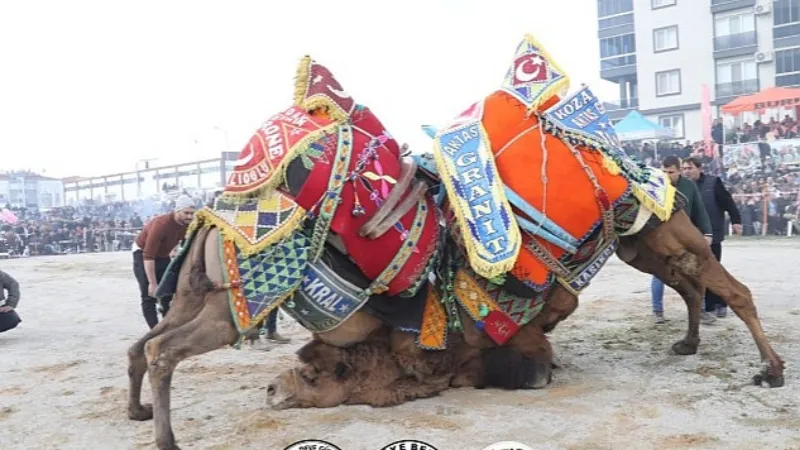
(718,6)
(615,67)
(736,88)
(739,44)
(738,40)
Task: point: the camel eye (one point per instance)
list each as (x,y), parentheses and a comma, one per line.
(341,370)
(309,376)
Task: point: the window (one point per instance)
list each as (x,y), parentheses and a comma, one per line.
(736,71)
(736,77)
(787,67)
(735,24)
(663,3)
(734,31)
(617,45)
(786,11)
(668,83)
(615,21)
(617,51)
(673,122)
(613,7)
(665,39)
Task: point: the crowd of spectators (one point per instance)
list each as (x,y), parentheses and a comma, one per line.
(88,227)
(767,195)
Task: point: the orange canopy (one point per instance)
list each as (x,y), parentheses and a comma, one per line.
(775,97)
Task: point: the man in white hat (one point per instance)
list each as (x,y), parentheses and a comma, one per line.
(151,253)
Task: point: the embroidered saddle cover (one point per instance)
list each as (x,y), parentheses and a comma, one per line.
(363,169)
(549,164)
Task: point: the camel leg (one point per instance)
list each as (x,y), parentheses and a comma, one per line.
(740,299)
(137,362)
(184,308)
(708,272)
(646,260)
(686,250)
(210,330)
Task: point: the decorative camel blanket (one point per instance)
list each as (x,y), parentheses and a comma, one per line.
(261,281)
(354,177)
(254,223)
(523,162)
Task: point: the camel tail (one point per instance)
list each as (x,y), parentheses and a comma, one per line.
(199,282)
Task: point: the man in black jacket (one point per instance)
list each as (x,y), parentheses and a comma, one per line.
(717,201)
(8,316)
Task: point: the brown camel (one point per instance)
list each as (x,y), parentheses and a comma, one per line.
(675,251)
(366,373)
(200,319)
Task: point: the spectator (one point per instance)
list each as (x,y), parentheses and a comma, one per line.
(697,213)
(8,315)
(717,201)
(151,254)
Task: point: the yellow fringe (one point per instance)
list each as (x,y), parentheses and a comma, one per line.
(478,264)
(610,165)
(553,89)
(301,85)
(662,212)
(301,81)
(242,243)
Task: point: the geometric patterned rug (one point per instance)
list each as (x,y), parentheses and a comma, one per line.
(254,223)
(260,282)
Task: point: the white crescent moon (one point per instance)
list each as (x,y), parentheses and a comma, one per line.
(340,94)
(247,157)
(524,76)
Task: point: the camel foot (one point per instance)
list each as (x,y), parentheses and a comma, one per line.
(683,348)
(169,444)
(771,380)
(141,413)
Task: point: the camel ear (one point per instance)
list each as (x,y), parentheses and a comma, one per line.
(341,370)
(308,353)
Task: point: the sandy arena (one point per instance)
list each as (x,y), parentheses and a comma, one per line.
(63,381)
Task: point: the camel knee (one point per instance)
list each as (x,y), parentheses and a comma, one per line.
(159,364)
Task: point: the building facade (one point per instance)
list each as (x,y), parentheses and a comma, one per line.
(661,52)
(207,174)
(30,190)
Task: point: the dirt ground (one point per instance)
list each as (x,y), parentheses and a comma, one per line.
(63,381)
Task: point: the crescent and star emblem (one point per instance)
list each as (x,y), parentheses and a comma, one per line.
(525,76)
(337,92)
(246,158)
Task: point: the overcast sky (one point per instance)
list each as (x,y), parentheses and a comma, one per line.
(90,87)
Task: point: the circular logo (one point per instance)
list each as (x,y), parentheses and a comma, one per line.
(409,444)
(312,444)
(507,445)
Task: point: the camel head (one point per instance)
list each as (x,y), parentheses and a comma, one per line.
(324,380)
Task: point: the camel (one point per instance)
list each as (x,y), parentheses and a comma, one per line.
(200,320)
(675,251)
(200,317)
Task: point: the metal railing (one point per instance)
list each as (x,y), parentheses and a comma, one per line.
(735,88)
(737,40)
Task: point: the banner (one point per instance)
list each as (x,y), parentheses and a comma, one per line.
(742,159)
(785,151)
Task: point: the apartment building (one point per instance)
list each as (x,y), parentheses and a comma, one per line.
(661,53)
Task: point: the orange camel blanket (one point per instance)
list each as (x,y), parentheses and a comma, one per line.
(545,172)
